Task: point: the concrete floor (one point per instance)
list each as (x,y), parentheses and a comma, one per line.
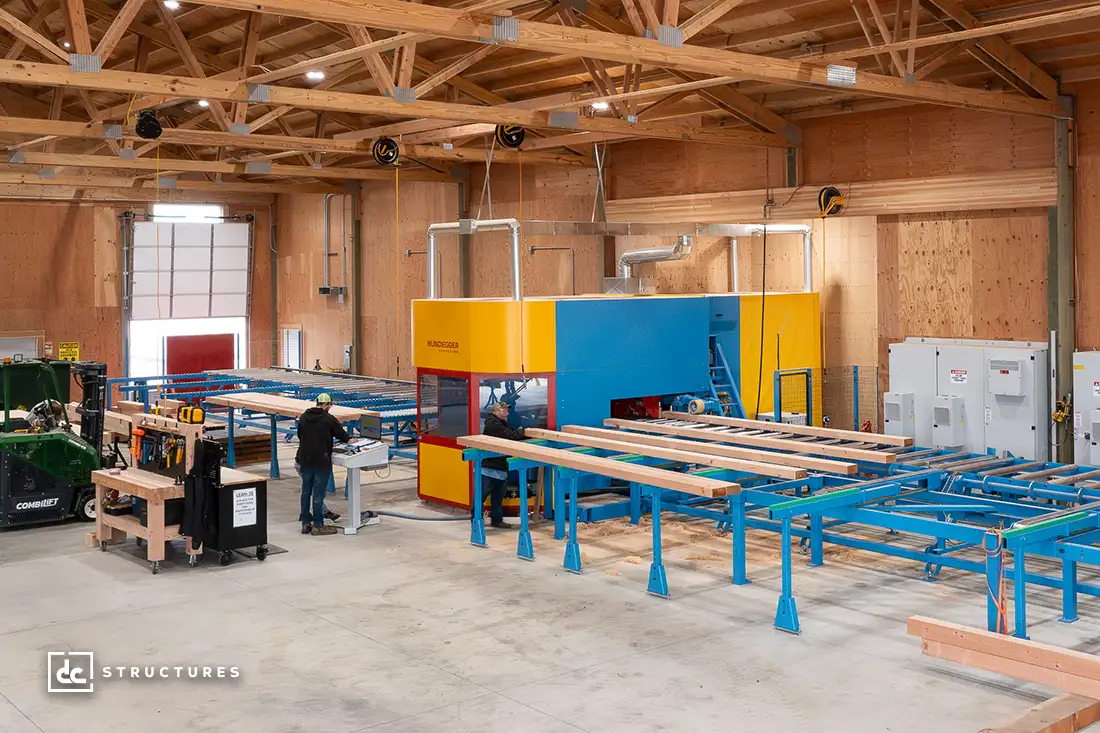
(406,627)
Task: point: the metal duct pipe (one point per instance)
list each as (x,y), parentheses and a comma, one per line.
(756,230)
(471,226)
(328,197)
(680,250)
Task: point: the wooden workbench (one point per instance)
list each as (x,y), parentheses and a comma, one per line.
(111,529)
(285,406)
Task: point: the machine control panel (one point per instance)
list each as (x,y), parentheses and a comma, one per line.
(360,453)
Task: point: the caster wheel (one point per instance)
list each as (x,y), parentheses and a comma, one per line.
(261,553)
(139,541)
(156,567)
(224,558)
(193,560)
(103,546)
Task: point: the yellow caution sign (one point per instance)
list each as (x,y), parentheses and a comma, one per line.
(68,350)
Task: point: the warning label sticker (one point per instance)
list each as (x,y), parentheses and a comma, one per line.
(1096,389)
(958,376)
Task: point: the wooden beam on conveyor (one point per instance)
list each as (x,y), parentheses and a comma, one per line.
(736,422)
(916,455)
(716,449)
(733,464)
(1075,478)
(674,480)
(1007,470)
(1032,476)
(850,454)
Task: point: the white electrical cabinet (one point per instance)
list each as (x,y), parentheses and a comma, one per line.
(973,395)
(1086,407)
(899,414)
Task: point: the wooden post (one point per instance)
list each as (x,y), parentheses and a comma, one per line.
(1061,298)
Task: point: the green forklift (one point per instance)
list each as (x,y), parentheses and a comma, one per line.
(45,467)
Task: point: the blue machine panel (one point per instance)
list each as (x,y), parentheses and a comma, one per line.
(614,348)
(725,327)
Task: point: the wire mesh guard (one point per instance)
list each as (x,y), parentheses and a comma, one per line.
(844,397)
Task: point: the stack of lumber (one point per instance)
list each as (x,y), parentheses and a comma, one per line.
(249,446)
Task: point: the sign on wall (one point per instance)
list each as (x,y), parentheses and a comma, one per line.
(68,350)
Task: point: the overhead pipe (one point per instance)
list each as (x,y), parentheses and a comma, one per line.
(756,230)
(328,197)
(470,226)
(679,251)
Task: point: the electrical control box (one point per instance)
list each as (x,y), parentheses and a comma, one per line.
(790,418)
(948,421)
(1002,388)
(1086,401)
(898,415)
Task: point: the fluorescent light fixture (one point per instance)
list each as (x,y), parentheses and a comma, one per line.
(172,4)
(203,103)
(315,75)
(66,44)
(601,106)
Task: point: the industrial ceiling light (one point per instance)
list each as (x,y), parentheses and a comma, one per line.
(315,75)
(172,4)
(203,103)
(600,106)
(66,44)
(147,126)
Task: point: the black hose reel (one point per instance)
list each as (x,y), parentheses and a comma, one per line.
(385,151)
(830,202)
(510,136)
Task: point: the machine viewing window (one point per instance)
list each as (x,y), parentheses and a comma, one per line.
(444,406)
(530,399)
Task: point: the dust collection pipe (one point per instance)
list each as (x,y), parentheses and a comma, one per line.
(755,230)
(679,251)
(472,226)
(328,197)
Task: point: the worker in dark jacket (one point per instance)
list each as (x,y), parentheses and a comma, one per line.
(494,471)
(316,431)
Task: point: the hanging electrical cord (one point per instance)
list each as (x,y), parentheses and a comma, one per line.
(600,159)
(397,268)
(763,297)
(487,185)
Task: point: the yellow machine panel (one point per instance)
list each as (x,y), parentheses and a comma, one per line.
(443,475)
(792,340)
(484,336)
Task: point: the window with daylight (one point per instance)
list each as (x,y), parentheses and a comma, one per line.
(188,212)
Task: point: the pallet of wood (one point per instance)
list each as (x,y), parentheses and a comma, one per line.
(248,446)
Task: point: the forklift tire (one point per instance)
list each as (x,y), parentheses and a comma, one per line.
(85,507)
(261,553)
(224,558)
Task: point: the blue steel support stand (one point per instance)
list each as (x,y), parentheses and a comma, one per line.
(855,397)
(274,446)
(477,515)
(230,454)
(635,503)
(737,522)
(786,615)
(572,548)
(817,543)
(559,505)
(658,581)
(1069,591)
(1019,589)
(524,548)
(994,567)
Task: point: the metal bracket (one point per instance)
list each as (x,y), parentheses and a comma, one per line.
(563,118)
(465,226)
(505,28)
(127,153)
(85,63)
(163,182)
(404,94)
(239,128)
(258,166)
(17,157)
(259,93)
(840,76)
(910,79)
(47,173)
(112,132)
(632,119)
(648,34)
(670,35)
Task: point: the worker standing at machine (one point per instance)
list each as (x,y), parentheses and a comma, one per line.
(494,471)
(316,431)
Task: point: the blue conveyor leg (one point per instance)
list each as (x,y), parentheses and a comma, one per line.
(230,453)
(274,473)
(994,567)
(559,506)
(737,522)
(1069,592)
(1019,590)
(524,548)
(817,543)
(477,513)
(786,615)
(658,581)
(572,548)
(635,503)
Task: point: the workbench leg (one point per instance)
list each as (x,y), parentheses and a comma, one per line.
(1069,592)
(1019,590)
(477,510)
(524,549)
(994,568)
(817,548)
(658,581)
(274,446)
(155,546)
(572,548)
(786,615)
(559,506)
(635,503)
(100,527)
(230,453)
(737,522)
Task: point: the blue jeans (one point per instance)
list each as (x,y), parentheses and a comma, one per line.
(314,484)
(493,490)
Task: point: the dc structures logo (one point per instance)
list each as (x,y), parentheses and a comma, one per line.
(70,671)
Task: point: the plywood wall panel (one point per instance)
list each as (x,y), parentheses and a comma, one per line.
(663,167)
(1087,97)
(1010,274)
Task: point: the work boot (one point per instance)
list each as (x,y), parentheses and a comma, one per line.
(501,525)
(306,526)
(323,529)
(331,515)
